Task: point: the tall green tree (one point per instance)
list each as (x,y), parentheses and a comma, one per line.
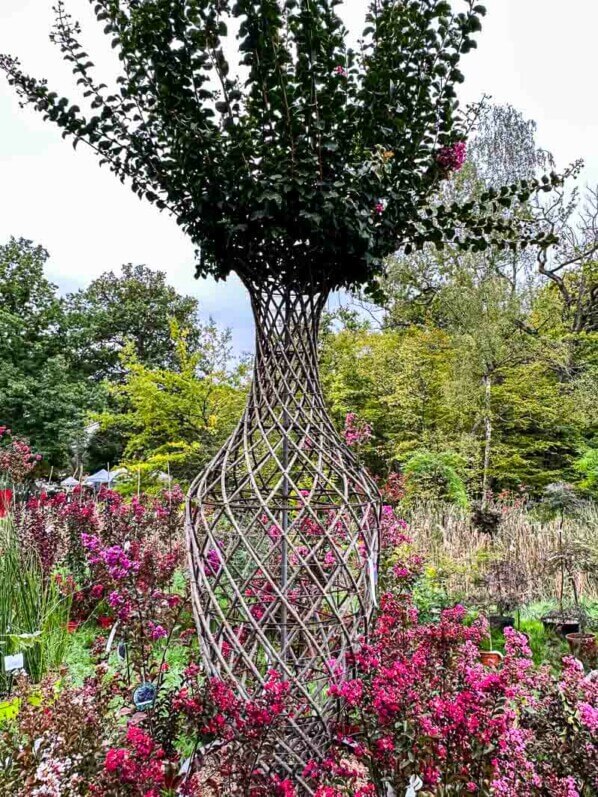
(174,419)
(134,307)
(42,395)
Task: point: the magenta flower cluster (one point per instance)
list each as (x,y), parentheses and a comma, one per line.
(17,459)
(419,694)
(356,431)
(118,564)
(452,158)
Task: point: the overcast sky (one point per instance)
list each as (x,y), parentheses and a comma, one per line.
(539,55)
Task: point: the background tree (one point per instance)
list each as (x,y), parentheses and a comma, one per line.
(134,307)
(174,420)
(61,358)
(42,395)
(496,314)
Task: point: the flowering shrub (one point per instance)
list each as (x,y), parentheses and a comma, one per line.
(133,579)
(357,431)
(56,528)
(419,711)
(41,529)
(451,158)
(393,488)
(57,744)
(72,740)
(17,459)
(423,706)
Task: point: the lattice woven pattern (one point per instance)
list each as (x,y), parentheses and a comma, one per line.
(283,532)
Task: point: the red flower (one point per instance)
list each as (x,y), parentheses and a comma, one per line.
(5,501)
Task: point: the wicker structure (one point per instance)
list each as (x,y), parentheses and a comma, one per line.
(283,532)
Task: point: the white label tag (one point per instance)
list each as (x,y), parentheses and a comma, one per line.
(111,638)
(14,662)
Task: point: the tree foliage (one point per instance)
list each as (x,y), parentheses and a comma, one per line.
(435,476)
(174,420)
(61,358)
(482,367)
(42,396)
(300,158)
(134,307)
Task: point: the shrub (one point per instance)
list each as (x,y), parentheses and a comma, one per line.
(437,476)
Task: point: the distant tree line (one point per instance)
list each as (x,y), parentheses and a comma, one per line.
(479,372)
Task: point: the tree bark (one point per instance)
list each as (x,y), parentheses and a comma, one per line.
(487,436)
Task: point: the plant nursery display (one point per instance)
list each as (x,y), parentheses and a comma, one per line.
(126,710)
(300,163)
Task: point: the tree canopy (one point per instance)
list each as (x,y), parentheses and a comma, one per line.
(61,357)
(174,420)
(300,158)
(42,397)
(134,307)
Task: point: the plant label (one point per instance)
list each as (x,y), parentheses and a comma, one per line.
(14,662)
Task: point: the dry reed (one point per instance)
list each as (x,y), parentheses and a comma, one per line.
(461,555)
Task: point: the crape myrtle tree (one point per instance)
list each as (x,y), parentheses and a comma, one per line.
(300,164)
(305,160)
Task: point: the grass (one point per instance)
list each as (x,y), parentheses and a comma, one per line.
(33,613)
(460,555)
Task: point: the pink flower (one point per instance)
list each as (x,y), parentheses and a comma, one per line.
(115,758)
(451,158)
(356,431)
(350,691)
(141,741)
(213,562)
(340,71)
(588,716)
(157,631)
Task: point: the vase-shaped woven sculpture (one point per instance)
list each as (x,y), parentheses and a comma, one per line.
(283,532)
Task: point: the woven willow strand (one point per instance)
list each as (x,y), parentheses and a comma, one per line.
(282,531)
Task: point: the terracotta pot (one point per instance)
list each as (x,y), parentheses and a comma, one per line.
(582,644)
(490,658)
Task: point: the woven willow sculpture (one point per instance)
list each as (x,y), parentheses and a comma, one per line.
(283,531)
(297,161)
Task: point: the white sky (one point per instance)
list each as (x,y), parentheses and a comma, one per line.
(539,55)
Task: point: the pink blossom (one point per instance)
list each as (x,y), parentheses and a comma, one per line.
(157,631)
(356,431)
(451,158)
(588,715)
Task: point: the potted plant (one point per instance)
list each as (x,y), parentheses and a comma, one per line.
(570,557)
(490,658)
(583,646)
(505,585)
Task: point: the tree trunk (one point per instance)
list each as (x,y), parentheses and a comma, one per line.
(487,437)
